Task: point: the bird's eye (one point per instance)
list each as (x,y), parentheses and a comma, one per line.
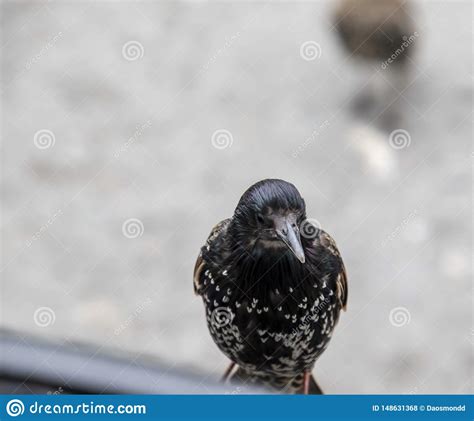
(260,218)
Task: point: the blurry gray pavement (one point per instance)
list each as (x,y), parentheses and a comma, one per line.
(113,176)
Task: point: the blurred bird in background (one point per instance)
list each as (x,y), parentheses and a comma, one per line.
(380,33)
(273,285)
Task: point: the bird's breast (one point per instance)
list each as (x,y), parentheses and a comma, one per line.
(286,328)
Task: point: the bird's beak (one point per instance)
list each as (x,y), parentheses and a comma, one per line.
(291,237)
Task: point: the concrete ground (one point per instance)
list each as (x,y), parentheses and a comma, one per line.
(113,175)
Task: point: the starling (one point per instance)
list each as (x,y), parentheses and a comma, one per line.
(376,29)
(381,33)
(273,284)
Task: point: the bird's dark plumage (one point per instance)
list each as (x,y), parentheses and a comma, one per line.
(272,286)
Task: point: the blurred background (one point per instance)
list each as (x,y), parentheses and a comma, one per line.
(131,128)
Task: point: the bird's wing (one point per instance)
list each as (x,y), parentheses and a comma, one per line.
(201,261)
(328,243)
(198,268)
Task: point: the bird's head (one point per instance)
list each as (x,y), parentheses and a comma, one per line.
(267,219)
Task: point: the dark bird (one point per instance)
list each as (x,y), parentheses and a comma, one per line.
(375,29)
(382,35)
(273,285)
